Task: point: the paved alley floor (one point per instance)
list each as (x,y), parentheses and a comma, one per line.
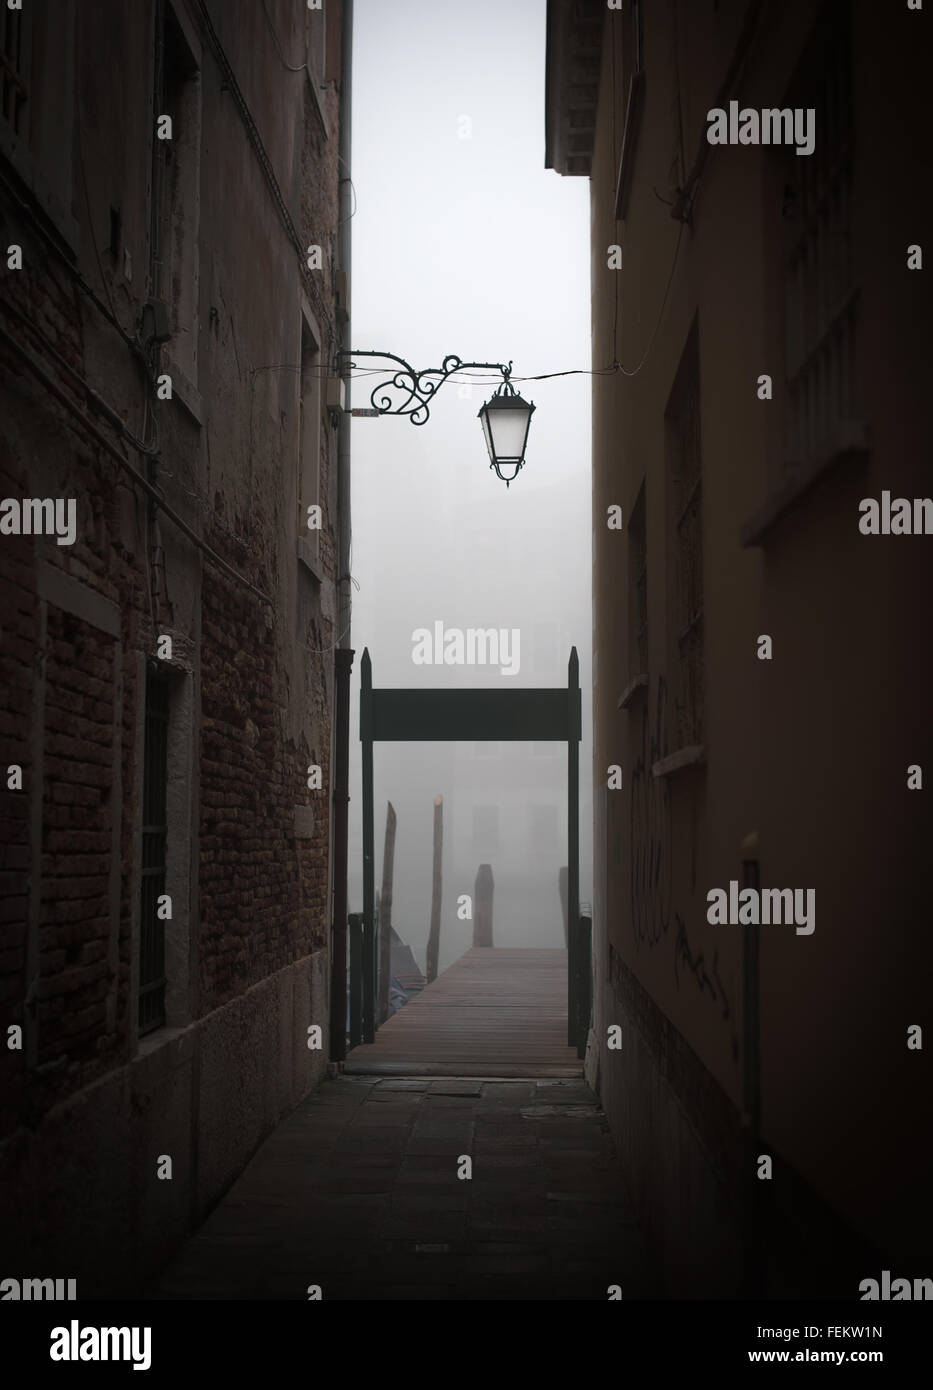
(358,1192)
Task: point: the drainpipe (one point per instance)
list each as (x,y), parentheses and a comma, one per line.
(344,655)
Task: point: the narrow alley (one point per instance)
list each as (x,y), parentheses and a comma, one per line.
(358,1194)
(464,523)
(401,1179)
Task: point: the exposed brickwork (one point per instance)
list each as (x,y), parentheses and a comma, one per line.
(263,893)
(19,632)
(254,680)
(78,775)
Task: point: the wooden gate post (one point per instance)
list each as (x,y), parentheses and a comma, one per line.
(355,935)
(562,894)
(434,935)
(482,906)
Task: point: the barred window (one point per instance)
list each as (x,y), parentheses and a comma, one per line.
(820,293)
(686,535)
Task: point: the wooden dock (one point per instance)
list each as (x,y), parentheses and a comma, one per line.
(494,1012)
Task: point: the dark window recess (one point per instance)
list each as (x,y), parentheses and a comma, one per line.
(155,814)
(13,93)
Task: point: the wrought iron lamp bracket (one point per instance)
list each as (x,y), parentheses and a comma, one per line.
(409,392)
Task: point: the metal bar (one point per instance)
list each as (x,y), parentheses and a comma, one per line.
(368,979)
(572,697)
(355,935)
(366,735)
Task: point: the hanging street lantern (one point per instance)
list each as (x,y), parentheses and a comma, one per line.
(405,391)
(506,418)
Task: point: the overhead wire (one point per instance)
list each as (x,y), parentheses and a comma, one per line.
(147,487)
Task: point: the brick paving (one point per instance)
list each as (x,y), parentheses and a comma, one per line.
(357,1192)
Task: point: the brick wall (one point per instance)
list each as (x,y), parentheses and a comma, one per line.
(258,677)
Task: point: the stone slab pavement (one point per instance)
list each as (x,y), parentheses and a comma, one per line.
(357,1192)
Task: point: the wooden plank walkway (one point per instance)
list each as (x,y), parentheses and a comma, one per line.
(495,1012)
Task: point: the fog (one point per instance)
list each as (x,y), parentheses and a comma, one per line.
(463,243)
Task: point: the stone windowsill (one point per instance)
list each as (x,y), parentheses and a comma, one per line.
(309,557)
(163,1037)
(694,755)
(318,103)
(846,441)
(639,682)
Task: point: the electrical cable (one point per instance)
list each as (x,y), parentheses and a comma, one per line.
(633,371)
(90,223)
(147,487)
(72,269)
(348,180)
(300,67)
(96,401)
(259,149)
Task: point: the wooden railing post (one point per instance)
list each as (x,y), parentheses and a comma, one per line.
(434,934)
(482,906)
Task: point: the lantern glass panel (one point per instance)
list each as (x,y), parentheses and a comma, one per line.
(507,426)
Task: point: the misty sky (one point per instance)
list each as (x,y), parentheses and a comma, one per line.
(466,246)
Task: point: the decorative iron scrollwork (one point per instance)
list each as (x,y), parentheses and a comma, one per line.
(410,392)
